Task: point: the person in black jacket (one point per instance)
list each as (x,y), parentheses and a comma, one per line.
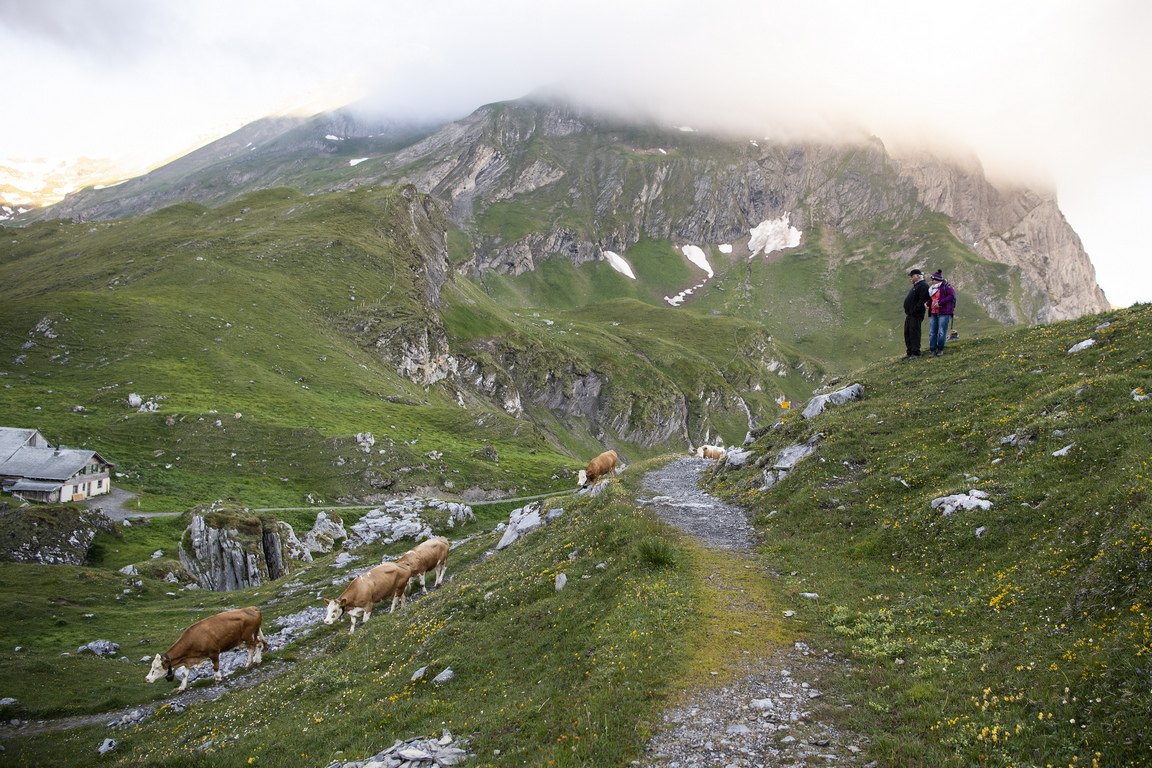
(914,307)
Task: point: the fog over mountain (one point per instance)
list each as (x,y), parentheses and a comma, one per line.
(1051,94)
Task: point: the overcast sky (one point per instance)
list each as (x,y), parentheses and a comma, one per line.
(1053,92)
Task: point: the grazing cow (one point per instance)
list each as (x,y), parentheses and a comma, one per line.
(604,464)
(427,556)
(367,589)
(710,452)
(206,640)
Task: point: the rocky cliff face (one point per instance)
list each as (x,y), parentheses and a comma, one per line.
(226,549)
(1023,228)
(634,183)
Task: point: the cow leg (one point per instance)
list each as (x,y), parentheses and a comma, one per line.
(440,569)
(184,680)
(216,667)
(260,643)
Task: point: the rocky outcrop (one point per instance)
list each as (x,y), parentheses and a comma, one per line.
(325,533)
(1012,225)
(227,549)
(50,535)
(412,517)
(717,193)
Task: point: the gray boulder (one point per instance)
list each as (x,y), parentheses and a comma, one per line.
(325,533)
(521,522)
(100,648)
(817,404)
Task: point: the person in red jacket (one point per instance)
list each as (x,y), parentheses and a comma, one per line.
(941,307)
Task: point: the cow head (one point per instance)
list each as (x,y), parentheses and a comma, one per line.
(159,667)
(582,479)
(335,610)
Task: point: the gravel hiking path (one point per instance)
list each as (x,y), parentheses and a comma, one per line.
(767,711)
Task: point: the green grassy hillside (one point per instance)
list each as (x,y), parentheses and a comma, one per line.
(265,333)
(1013,635)
(1019,634)
(540,675)
(234,322)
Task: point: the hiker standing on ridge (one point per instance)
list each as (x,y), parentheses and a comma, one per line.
(914,307)
(942,305)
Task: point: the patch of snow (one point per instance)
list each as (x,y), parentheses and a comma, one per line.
(696,255)
(619,264)
(726,248)
(357,161)
(109,186)
(773,235)
(330,137)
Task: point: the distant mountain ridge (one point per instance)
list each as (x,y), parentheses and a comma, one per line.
(535,179)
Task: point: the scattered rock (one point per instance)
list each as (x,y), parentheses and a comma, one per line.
(344,559)
(974,499)
(100,648)
(521,522)
(326,531)
(414,753)
(405,519)
(1081,346)
(135,717)
(818,404)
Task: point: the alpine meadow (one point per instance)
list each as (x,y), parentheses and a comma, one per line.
(317,322)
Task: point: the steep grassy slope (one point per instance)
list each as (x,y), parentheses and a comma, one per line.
(1018,634)
(840,299)
(540,675)
(268,332)
(239,310)
(1013,635)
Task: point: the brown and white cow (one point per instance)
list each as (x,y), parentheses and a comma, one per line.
(601,466)
(710,452)
(427,556)
(367,589)
(206,640)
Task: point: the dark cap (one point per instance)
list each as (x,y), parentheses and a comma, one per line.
(915,272)
(937,275)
